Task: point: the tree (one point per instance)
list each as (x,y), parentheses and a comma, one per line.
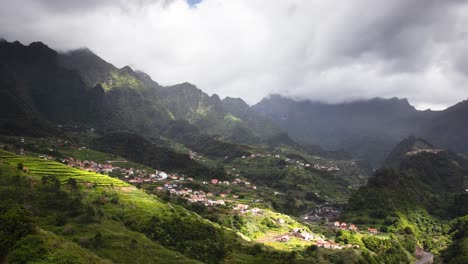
(72,183)
(15,223)
(98,240)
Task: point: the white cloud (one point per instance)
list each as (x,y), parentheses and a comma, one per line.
(322,50)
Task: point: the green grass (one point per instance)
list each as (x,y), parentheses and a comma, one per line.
(41,167)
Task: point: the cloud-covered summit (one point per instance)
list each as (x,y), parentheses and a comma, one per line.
(321,50)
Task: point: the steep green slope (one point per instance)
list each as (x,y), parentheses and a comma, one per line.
(188,102)
(35,89)
(74,223)
(419,198)
(138,149)
(260,126)
(104,223)
(457,252)
(91,67)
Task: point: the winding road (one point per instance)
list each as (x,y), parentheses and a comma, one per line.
(427,258)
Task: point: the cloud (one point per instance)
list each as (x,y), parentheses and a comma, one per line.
(322,50)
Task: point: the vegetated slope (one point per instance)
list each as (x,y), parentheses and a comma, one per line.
(418,198)
(457,252)
(408,146)
(138,149)
(43,89)
(262,127)
(47,221)
(35,89)
(366,129)
(104,224)
(229,119)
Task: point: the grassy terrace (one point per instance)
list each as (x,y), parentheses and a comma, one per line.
(101,157)
(41,167)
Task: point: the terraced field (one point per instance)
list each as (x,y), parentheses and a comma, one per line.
(41,167)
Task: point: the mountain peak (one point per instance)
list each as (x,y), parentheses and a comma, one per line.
(408,147)
(127,70)
(38,44)
(238,102)
(92,68)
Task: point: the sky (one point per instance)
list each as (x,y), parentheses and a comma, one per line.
(327,50)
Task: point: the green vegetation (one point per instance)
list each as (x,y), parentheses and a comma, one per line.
(46,168)
(300,187)
(457,252)
(100,157)
(104,223)
(416,202)
(122,78)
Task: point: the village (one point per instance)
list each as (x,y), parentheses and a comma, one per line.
(174,185)
(221,194)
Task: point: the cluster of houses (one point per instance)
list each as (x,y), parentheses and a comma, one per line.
(206,198)
(46,157)
(307,165)
(93,166)
(345,226)
(325,168)
(297,233)
(328,213)
(244,208)
(171,183)
(142,176)
(236,181)
(195,156)
(290,162)
(202,197)
(333,245)
(352,227)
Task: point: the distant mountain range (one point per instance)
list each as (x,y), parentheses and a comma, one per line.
(367,129)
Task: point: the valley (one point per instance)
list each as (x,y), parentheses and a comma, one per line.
(105,165)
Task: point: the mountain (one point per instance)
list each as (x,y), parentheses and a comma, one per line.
(407,147)
(91,67)
(428,179)
(449,128)
(43,89)
(367,129)
(126,88)
(261,126)
(36,87)
(418,196)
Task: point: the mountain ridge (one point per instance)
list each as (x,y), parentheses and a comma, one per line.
(367,128)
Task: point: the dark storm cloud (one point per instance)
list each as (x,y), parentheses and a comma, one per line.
(402,33)
(330,50)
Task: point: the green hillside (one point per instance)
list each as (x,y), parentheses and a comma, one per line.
(105,222)
(418,199)
(45,168)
